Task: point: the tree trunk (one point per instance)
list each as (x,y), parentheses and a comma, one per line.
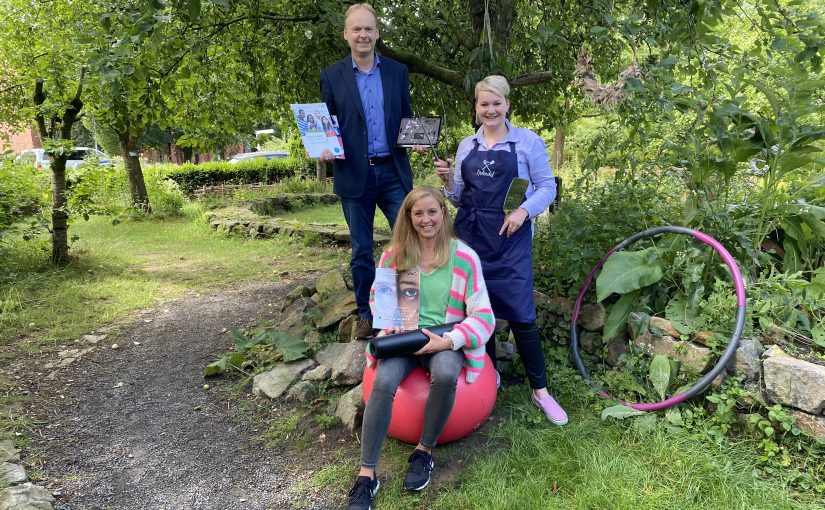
(558,149)
(187,154)
(61,129)
(320,170)
(131,158)
(60,215)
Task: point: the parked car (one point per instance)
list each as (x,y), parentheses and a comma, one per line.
(79,155)
(254,155)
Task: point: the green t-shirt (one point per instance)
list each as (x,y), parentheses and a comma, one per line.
(435,293)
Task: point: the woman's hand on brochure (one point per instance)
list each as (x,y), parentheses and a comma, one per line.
(420,149)
(436,344)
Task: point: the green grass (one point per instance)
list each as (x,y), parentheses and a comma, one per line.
(118,269)
(524,463)
(331,214)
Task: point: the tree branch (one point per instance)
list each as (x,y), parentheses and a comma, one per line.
(419,65)
(277,17)
(39,98)
(73,110)
(531,79)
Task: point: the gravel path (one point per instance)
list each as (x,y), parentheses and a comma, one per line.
(133,428)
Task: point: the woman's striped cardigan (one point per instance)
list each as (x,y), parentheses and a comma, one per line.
(468,303)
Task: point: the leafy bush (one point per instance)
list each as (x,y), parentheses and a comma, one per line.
(24,192)
(190,177)
(585,226)
(104,190)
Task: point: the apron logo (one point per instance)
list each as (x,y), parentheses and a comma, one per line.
(486,170)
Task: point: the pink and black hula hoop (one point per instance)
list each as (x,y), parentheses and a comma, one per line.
(730,350)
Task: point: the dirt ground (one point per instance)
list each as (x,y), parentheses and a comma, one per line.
(133,427)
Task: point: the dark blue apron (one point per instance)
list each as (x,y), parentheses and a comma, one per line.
(507,262)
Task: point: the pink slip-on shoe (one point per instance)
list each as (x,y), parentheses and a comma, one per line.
(551,409)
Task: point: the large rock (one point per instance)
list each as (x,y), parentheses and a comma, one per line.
(319,373)
(794,382)
(663,325)
(330,283)
(616,348)
(313,339)
(346,328)
(748,359)
(589,340)
(592,316)
(694,359)
(292,319)
(273,383)
(297,292)
(26,497)
(813,425)
(351,408)
(706,338)
(346,362)
(302,391)
(11,474)
(8,453)
(637,323)
(335,309)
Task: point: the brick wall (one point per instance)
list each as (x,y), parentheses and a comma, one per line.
(18,142)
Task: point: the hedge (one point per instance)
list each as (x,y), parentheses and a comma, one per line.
(191,177)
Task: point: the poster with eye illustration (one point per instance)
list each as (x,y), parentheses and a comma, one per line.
(396,299)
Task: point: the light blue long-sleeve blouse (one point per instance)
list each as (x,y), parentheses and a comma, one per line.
(533,164)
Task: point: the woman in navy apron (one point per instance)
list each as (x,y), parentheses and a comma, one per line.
(486,164)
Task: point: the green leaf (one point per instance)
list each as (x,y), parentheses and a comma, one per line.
(769,95)
(645,424)
(791,162)
(691,209)
(292,347)
(617,317)
(235,360)
(818,334)
(793,228)
(674,417)
(193,9)
(628,271)
(791,262)
(239,338)
(659,374)
(679,313)
(620,412)
(216,368)
(816,225)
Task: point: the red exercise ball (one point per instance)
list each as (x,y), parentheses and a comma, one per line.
(473,404)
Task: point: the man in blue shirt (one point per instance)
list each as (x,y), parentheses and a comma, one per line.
(369,95)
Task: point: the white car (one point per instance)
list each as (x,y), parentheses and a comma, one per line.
(79,155)
(254,155)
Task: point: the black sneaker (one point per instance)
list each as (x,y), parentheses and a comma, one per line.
(418,475)
(360,497)
(363,329)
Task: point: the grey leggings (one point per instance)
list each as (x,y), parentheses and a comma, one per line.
(444,368)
